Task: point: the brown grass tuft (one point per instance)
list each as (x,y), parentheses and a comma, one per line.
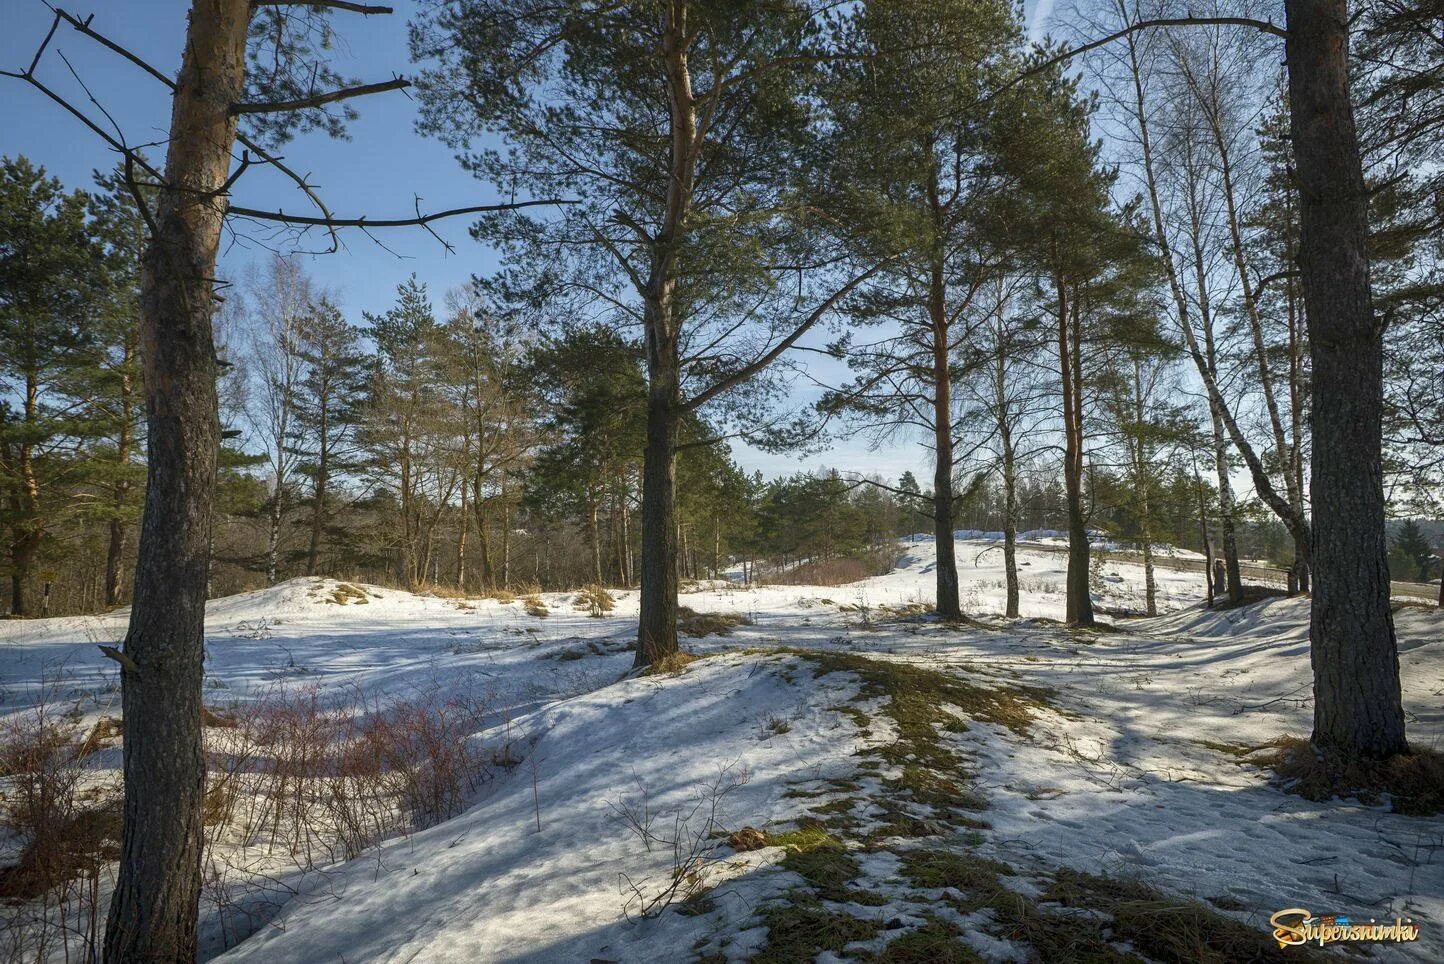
(692,623)
(671,663)
(344,594)
(594,600)
(1413,782)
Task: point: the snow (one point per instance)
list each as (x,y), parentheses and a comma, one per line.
(1131,782)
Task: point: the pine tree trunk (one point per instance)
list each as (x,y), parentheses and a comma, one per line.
(657,620)
(1079,606)
(594,537)
(946,570)
(1358,711)
(114,554)
(153,911)
(115,549)
(483,530)
(628,568)
(657,625)
(1010,471)
(318,495)
(505,536)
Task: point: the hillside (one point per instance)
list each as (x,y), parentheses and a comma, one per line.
(840,776)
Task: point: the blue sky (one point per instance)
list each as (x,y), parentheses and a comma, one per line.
(379,172)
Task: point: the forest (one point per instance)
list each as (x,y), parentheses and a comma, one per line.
(1165,277)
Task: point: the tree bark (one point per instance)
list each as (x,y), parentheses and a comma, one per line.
(657,619)
(946,569)
(153,911)
(323,478)
(1079,606)
(594,537)
(115,548)
(657,626)
(1358,711)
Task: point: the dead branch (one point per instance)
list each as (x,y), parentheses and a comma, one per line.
(319,100)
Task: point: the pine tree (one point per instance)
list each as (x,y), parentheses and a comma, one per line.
(909,175)
(48,267)
(402,402)
(681,130)
(1410,556)
(329,398)
(113,390)
(592,385)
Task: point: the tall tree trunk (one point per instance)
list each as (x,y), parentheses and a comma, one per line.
(153,911)
(594,537)
(657,625)
(657,619)
(115,548)
(27,531)
(1142,482)
(114,554)
(318,494)
(22,555)
(408,524)
(1010,470)
(505,535)
(1205,360)
(946,570)
(1358,710)
(1079,606)
(1296,422)
(483,530)
(628,569)
(1010,531)
(273,537)
(463,522)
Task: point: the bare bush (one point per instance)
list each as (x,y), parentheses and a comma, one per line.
(839,571)
(690,834)
(66,821)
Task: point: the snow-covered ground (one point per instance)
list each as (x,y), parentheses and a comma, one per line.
(1132,773)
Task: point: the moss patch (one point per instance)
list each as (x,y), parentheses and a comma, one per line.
(1168,929)
(802,928)
(936,942)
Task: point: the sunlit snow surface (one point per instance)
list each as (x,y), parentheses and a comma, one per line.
(1124,785)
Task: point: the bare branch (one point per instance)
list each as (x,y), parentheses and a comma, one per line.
(762,361)
(418,221)
(365,9)
(319,100)
(1264,26)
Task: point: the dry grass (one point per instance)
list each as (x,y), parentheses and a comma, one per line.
(536,606)
(594,600)
(347,594)
(670,664)
(1413,782)
(441,591)
(106,730)
(695,624)
(835,572)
